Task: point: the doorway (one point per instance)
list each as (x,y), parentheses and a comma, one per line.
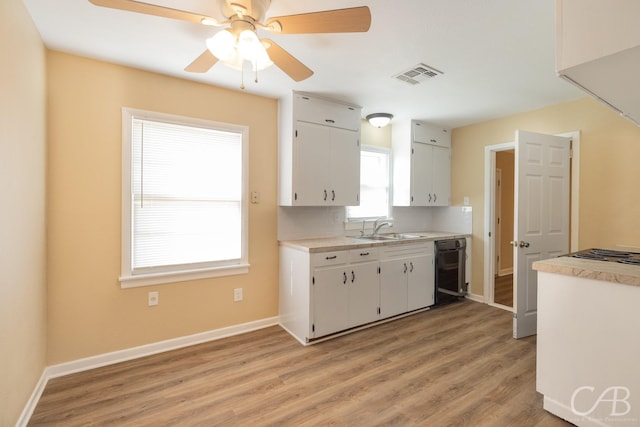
(503,279)
(497,240)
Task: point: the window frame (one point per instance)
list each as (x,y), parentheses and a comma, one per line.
(168,274)
(356,223)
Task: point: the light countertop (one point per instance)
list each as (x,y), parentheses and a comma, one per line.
(589,269)
(326,244)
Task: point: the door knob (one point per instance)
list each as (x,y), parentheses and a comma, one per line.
(524,244)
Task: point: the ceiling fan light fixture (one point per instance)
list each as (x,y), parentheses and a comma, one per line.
(222,45)
(379,120)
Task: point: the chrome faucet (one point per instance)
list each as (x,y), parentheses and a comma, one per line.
(379,223)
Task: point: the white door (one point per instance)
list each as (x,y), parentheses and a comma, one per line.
(420,174)
(364,293)
(330,300)
(541,226)
(420,284)
(393,287)
(441,167)
(312,153)
(344,168)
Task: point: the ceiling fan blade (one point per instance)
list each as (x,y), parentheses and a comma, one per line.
(287,62)
(151,9)
(202,63)
(351,20)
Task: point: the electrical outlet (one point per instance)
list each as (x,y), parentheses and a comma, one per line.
(153,298)
(237,294)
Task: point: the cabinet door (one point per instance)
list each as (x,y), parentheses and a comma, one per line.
(330,300)
(441,167)
(393,287)
(344,168)
(421,282)
(420,174)
(364,294)
(312,157)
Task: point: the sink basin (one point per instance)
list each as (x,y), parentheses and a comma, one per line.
(401,236)
(377,237)
(390,236)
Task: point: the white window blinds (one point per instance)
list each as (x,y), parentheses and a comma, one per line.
(374,184)
(186,193)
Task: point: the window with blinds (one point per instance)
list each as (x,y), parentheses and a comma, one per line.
(375,178)
(185,187)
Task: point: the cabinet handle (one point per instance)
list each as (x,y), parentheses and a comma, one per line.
(329,121)
(429,197)
(405,267)
(411,269)
(333,195)
(353,276)
(435,197)
(364,253)
(331,257)
(344,282)
(434,141)
(325,195)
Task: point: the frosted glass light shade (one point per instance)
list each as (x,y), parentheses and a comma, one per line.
(379,120)
(222,45)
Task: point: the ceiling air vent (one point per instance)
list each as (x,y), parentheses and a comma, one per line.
(418,74)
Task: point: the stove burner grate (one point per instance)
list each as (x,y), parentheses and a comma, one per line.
(589,255)
(611,253)
(632,261)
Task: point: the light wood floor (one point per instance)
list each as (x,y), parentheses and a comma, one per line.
(503,290)
(454,365)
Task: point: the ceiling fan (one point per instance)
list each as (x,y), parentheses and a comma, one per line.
(240,42)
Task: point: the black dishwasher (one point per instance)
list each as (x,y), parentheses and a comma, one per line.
(450,269)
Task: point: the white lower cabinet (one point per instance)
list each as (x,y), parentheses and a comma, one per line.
(407,280)
(328,292)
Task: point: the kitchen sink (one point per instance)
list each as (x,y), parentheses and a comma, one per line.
(401,236)
(389,236)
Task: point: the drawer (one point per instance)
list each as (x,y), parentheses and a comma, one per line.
(329,258)
(364,254)
(403,250)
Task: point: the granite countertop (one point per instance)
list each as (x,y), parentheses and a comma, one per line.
(326,244)
(589,269)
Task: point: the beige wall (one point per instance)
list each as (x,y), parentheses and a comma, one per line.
(22,217)
(609,174)
(89,313)
(370,135)
(505,162)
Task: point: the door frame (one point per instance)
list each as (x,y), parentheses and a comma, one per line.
(490,209)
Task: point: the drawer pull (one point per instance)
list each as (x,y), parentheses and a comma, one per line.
(364,254)
(329,121)
(331,257)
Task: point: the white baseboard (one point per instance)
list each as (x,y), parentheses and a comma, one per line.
(25,416)
(505,271)
(563,411)
(474,297)
(114,357)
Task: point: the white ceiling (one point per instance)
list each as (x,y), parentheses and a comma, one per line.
(497,55)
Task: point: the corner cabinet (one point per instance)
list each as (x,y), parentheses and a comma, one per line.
(421,164)
(319,152)
(326,293)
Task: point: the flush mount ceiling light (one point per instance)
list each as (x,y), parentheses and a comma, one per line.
(379,120)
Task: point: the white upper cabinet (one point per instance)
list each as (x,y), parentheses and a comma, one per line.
(319,152)
(421,164)
(598,50)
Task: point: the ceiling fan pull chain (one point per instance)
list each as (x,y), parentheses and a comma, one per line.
(242,77)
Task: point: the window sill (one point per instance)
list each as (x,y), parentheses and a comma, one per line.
(135,281)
